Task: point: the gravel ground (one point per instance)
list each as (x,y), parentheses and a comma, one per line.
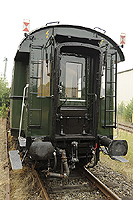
(118,183)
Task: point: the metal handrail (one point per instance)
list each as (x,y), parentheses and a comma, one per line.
(22,109)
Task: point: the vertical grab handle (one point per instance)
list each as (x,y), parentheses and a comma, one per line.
(22,109)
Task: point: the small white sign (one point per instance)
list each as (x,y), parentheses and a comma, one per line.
(26,25)
(123,38)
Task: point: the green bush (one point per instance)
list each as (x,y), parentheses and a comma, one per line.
(4,97)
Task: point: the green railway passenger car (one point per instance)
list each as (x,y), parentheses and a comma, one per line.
(64,95)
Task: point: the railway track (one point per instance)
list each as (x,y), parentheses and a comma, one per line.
(84,183)
(44,193)
(125,127)
(108,193)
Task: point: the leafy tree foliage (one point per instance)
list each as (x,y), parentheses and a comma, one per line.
(4,97)
(128,111)
(121,108)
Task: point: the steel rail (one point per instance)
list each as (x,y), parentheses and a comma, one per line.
(125,127)
(44,194)
(110,195)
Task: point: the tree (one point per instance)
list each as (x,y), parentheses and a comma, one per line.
(128,111)
(121,108)
(4,97)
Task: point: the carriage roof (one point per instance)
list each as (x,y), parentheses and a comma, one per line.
(69,33)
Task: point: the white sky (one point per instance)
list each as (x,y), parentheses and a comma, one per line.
(114,16)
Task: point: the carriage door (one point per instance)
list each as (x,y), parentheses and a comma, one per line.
(72,101)
(79,91)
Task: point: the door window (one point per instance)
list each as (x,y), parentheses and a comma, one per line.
(44,80)
(73,80)
(73,77)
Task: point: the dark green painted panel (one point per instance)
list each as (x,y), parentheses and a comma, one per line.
(109,119)
(19,79)
(19,82)
(15,113)
(46,120)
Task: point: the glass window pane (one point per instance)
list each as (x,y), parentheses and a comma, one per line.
(45,87)
(46,79)
(73,80)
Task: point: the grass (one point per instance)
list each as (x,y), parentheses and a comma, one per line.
(3,160)
(124,168)
(23,184)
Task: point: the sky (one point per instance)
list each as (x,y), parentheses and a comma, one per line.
(114,16)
